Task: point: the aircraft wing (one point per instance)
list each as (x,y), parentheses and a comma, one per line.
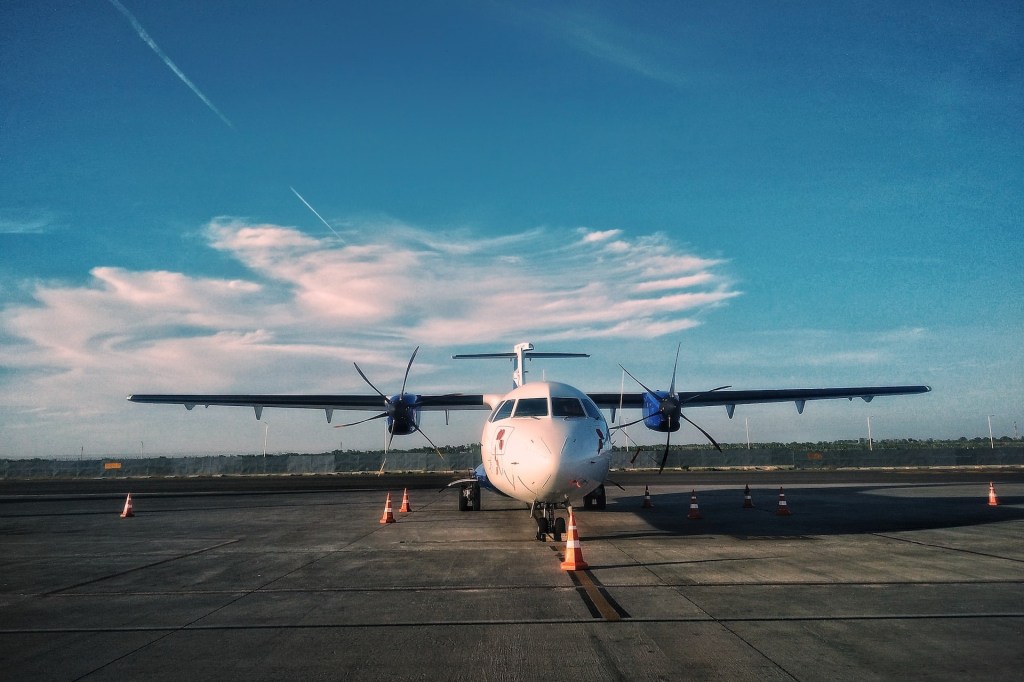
(730,399)
(328,403)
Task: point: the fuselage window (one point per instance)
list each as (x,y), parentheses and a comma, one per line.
(566,407)
(504,410)
(532,407)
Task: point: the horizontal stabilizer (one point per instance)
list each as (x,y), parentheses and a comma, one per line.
(512,356)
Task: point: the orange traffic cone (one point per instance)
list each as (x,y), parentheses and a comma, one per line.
(388,516)
(405,502)
(127,508)
(573,552)
(993,501)
(783,509)
(747,502)
(694,510)
(647,499)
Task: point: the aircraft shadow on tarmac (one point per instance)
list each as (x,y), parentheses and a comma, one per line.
(814,511)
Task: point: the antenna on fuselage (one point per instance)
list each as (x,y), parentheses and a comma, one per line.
(520,353)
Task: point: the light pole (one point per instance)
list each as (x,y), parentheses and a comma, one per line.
(266,433)
(871,445)
(746,425)
(991,442)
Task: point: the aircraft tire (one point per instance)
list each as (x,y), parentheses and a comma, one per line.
(476,497)
(559,529)
(596,499)
(542,528)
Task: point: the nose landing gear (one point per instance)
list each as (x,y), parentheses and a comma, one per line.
(547,522)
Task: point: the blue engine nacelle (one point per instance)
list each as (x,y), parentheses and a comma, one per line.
(481,476)
(403,414)
(656,416)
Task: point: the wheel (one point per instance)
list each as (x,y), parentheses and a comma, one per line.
(463,501)
(600,500)
(542,528)
(476,497)
(559,529)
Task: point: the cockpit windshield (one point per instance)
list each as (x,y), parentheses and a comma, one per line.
(566,407)
(531,407)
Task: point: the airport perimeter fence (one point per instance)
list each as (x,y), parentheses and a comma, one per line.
(358,462)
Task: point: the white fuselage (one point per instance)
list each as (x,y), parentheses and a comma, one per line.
(546,442)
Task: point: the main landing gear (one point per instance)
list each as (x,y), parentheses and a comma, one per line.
(596,499)
(469,497)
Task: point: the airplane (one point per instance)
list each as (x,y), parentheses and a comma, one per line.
(544,443)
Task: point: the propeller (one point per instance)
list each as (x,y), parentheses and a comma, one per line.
(399,410)
(670,407)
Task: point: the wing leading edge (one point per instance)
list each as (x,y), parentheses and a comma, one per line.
(328,403)
(730,399)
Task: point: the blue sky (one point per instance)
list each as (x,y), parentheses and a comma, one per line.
(235,196)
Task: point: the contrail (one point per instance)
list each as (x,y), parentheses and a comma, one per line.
(167,60)
(314,211)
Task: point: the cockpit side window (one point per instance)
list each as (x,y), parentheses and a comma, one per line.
(532,407)
(566,407)
(592,410)
(503,411)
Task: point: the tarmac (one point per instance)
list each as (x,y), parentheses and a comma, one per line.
(874,575)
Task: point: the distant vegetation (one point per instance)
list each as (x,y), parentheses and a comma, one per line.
(474,448)
(860,444)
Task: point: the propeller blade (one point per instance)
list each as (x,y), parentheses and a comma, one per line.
(370,384)
(706,434)
(408,367)
(436,449)
(622,426)
(704,393)
(368,419)
(664,457)
(672,386)
(636,380)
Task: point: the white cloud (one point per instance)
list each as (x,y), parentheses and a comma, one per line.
(590,236)
(310,307)
(34,225)
(611,42)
